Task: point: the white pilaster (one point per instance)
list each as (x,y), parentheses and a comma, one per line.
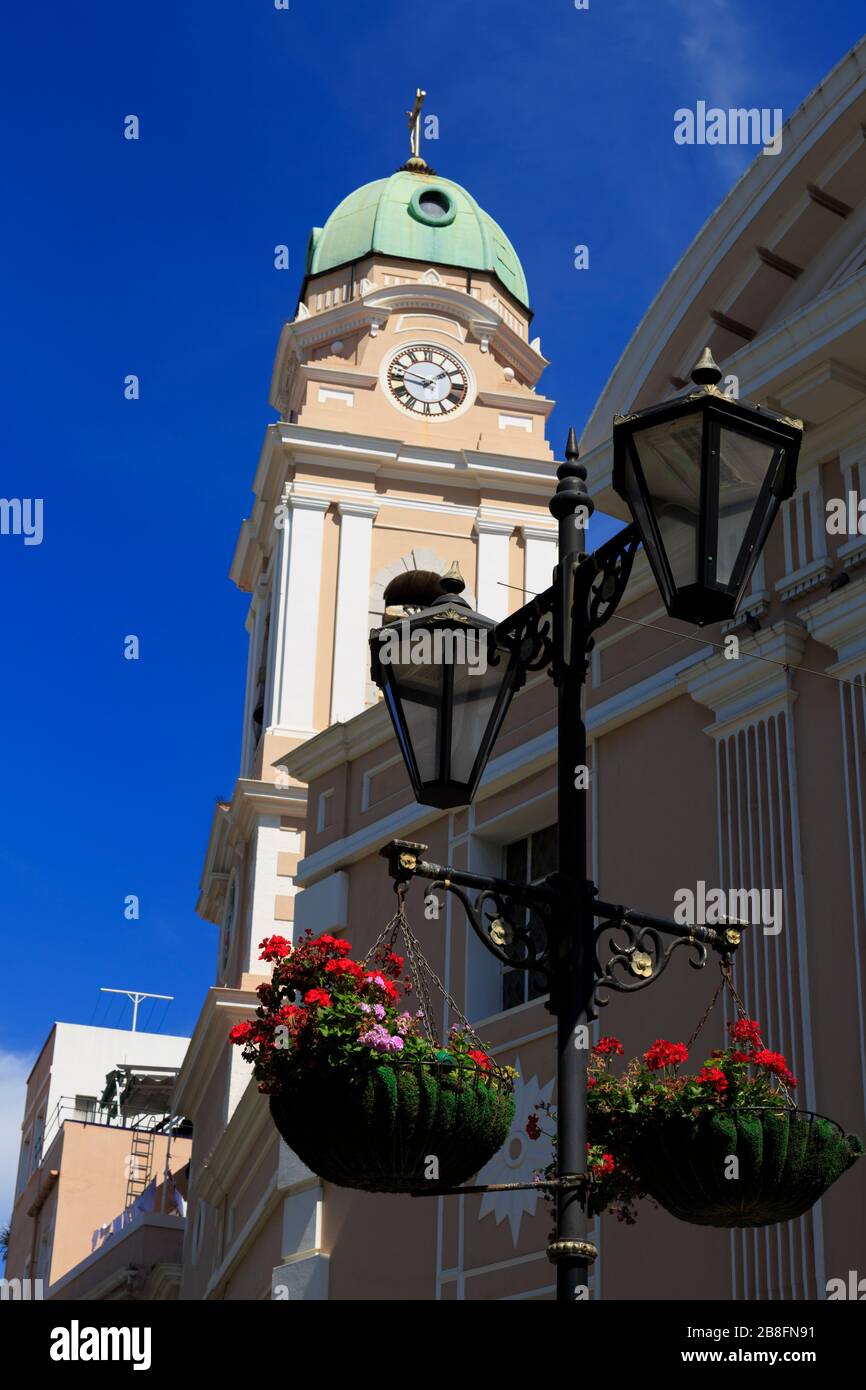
(495,600)
(351,630)
(295,616)
(267,884)
(540,560)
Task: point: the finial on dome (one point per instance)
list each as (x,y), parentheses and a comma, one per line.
(415,124)
(416,164)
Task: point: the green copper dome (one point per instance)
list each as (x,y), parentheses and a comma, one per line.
(417,217)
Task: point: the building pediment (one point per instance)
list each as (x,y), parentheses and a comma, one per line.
(484,323)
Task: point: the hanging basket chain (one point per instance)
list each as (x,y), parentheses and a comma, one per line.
(422,973)
(726,982)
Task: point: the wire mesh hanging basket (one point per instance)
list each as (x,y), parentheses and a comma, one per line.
(786,1160)
(394,1125)
(739,1166)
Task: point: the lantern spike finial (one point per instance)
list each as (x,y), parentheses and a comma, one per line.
(572,453)
(705,371)
(453,582)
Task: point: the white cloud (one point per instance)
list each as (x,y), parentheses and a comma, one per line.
(15,1067)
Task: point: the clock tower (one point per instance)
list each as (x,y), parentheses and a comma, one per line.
(410,434)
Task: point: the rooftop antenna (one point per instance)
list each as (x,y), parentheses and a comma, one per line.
(136,996)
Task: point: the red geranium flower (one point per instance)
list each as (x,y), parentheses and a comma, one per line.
(612,1045)
(240,1032)
(665,1054)
(481,1060)
(274,948)
(533,1128)
(747,1030)
(712,1076)
(334,943)
(345,967)
(318,996)
(290,1012)
(774,1062)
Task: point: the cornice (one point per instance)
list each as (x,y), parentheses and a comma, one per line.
(493,526)
(339,743)
(288,446)
(839,622)
(231,826)
(397,460)
(523,405)
(485,323)
(535,532)
(371,312)
(221,1009)
(351,507)
(742,690)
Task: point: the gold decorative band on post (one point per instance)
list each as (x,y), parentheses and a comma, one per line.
(565,1249)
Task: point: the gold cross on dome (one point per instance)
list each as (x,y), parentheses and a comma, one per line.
(415,124)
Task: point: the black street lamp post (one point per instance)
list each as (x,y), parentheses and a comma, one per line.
(703,477)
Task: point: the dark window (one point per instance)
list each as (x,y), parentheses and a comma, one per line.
(529,859)
(434,205)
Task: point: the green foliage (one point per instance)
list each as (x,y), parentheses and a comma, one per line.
(379,1129)
(656,1132)
(360,1086)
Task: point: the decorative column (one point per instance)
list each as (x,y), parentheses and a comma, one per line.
(837,622)
(293,656)
(494,598)
(758,830)
(352,626)
(539,562)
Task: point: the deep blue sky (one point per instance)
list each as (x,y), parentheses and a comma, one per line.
(156,258)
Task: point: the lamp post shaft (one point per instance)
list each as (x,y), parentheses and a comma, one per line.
(572,967)
(573,981)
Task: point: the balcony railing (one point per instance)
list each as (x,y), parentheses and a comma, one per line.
(68,1109)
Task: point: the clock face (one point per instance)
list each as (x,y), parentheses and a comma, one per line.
(427,380)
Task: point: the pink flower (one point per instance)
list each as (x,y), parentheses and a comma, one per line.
(381,1040)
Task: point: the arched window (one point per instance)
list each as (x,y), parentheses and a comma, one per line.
(418,559)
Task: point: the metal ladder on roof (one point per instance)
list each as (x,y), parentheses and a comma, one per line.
(140,1162)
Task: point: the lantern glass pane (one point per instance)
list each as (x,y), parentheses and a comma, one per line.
(670,459)
(419,691)
(743,466)
(475,697)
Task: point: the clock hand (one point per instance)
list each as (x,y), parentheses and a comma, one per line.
(421,380)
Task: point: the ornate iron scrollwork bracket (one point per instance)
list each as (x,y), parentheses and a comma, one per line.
(612,565)
(501,913)
(640,955)
(528,636)
(514,922)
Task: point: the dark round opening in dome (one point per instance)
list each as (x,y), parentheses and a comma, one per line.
(434,204)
